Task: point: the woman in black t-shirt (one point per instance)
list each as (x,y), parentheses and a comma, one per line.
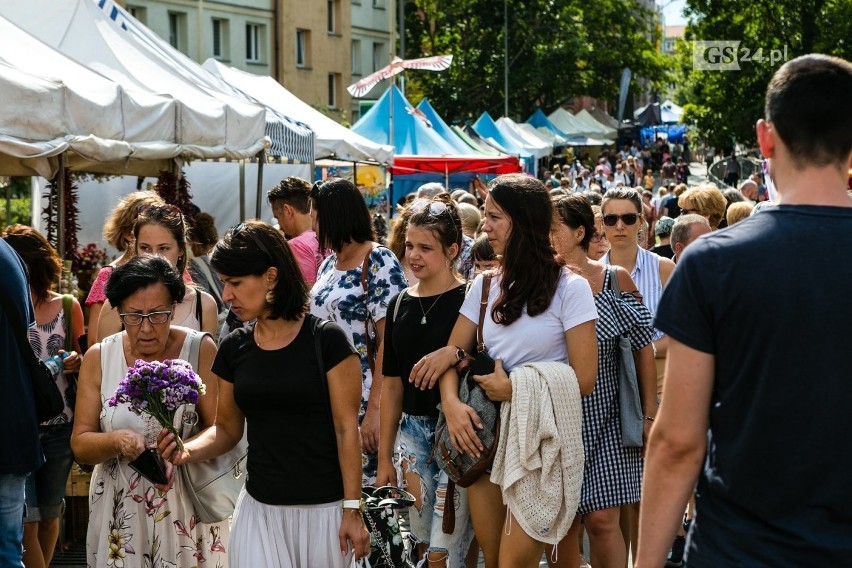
(417,329)
(304,447)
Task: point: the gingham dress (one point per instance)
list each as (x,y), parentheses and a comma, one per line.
(613,474)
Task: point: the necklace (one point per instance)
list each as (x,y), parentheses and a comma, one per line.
(426,312)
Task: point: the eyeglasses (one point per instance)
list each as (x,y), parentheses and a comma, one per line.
(240,228)
(154,318)
(598,237)
(627,219)
(435,207)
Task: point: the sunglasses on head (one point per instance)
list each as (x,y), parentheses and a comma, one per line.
(627,219)
(435,207)
(242,228)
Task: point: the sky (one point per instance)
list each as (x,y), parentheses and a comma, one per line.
(672,10)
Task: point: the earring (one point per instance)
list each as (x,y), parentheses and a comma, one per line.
(270,297)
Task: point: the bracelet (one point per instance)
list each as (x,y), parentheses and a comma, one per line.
(648,418)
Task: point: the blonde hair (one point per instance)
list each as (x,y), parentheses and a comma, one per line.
(738,211)
(707,201)
(123,217)
(470,218)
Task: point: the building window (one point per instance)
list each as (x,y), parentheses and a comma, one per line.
(379,4)
(177,30)
(221,47)
(254,43)
(138,13)
(332,90)
(356,57)
(303,48)
(332,15)
(379,55)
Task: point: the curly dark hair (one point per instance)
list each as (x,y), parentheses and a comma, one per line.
(530,270)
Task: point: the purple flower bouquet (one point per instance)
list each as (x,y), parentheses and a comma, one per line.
(159,389)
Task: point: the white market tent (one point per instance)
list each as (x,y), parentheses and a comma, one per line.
(53,105)
(207,126)
(602,130)
(544,134)
(570,125)
(534,144)
(332,140)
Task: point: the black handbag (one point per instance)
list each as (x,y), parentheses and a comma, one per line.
(464,469)
(48,400)
(387,544)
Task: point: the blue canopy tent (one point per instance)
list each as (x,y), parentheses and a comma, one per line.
(443,129)
(487,129)
(421,154)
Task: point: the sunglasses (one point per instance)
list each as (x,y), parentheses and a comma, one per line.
(242,228)
(166,212)
(435,207)
(688,211)
(627,219)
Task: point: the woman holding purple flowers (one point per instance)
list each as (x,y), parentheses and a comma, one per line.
(133,522)
(294,383)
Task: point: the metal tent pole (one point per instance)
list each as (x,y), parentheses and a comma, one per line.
(60,187)
(261,158)
(242,190)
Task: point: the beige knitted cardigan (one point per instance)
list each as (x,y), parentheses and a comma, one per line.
(539,460)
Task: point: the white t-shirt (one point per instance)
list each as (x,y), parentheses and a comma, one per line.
(533,339)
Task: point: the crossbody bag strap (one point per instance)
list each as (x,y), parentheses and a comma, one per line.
(483,304)
(194,338)
(198,311)
(318,326)
(398,302)
(365,267)
(66,312)
(613,279)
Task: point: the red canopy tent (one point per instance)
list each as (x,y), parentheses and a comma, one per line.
(447,165)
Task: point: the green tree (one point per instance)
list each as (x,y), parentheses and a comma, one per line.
(728,103)
(557,49)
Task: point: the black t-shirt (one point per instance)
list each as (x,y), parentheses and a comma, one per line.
(407,340)
(671,205)
(663,250)
(292,458)
(775,312)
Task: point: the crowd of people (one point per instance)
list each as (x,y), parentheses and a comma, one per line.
(336,355)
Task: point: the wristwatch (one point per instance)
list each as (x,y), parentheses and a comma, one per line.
(460,355)
(356,504)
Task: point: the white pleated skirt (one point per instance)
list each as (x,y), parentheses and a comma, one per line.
(281,536)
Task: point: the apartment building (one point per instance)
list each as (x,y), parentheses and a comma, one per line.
(372,22)
(304,44)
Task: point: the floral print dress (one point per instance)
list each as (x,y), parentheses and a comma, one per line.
(338,296)
(132,524)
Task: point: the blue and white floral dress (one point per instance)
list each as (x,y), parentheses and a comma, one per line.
(338,296)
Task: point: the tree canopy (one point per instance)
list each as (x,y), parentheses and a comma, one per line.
(724,105)
(557,49)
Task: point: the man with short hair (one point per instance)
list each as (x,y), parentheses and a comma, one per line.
(749,190)
(757,392)
(686,229)
(20,450)
(291,205)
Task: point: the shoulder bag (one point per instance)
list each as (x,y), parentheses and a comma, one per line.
(629,403)
(212,485)
(463,469)
(370,333)
(48,400)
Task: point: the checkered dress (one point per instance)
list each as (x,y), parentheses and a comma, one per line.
(613,474)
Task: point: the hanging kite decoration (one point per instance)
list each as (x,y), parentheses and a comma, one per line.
(397,66)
